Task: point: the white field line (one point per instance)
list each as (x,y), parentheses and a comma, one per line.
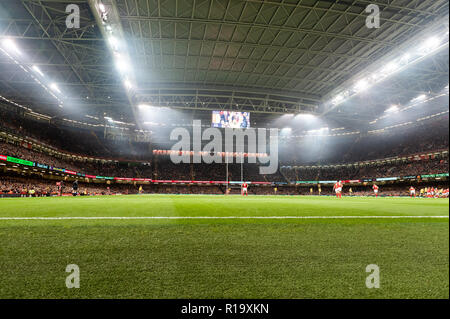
(216,217)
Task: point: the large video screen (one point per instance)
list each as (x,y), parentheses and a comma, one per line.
(228,119)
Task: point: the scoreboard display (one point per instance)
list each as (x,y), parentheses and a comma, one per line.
(229,119)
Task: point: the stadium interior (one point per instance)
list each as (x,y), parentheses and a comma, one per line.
(96,102)
(65,105)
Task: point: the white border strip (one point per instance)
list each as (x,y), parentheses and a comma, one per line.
(216,217)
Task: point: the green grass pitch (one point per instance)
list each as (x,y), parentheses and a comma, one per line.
(224,258)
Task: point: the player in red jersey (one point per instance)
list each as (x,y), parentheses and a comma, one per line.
(338,189)
(375,189)
(244,189)
(59,186)
(412,192)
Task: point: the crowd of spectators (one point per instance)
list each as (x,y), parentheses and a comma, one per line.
(87,142)
(400,168)
(162,169)
(349,149)
(35,187)
(370,146)
(115,169)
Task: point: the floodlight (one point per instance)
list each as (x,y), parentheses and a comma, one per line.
(127,84)
(10,45)
(102,8)
(113,42)
(122,64)
(405,58)
(419,98)
(431,44)
(338,99)
(54,87)
(389,68)
(305,116)
(143,106)
(393,108)
(37,70)
(361,85)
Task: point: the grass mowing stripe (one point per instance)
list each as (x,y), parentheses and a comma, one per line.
(218,217)
(167,246)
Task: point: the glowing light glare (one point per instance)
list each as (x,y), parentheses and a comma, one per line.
(392,109)
(108,119)
(389,68)
(127,84)
(54,87)
(320,130)
(338,99)
(102,8)
(305,117)
(10,45)
(405,58)
(361,85)
(113,42)
(122,64)
(37,70)
(143,106)
(419,98)
(431,43)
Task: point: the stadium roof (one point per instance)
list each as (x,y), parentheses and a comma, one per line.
(274,56)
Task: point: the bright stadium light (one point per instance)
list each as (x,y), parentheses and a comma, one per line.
(127,84)
(405,58)
(143,106)
(122,64)
(338,99)
(10,45)
(361,85)
(37,70)
(392,109)
(306,116)
(430,44)
(389,68)
(113,42)
(421,97)
(102,8)
(54,87)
